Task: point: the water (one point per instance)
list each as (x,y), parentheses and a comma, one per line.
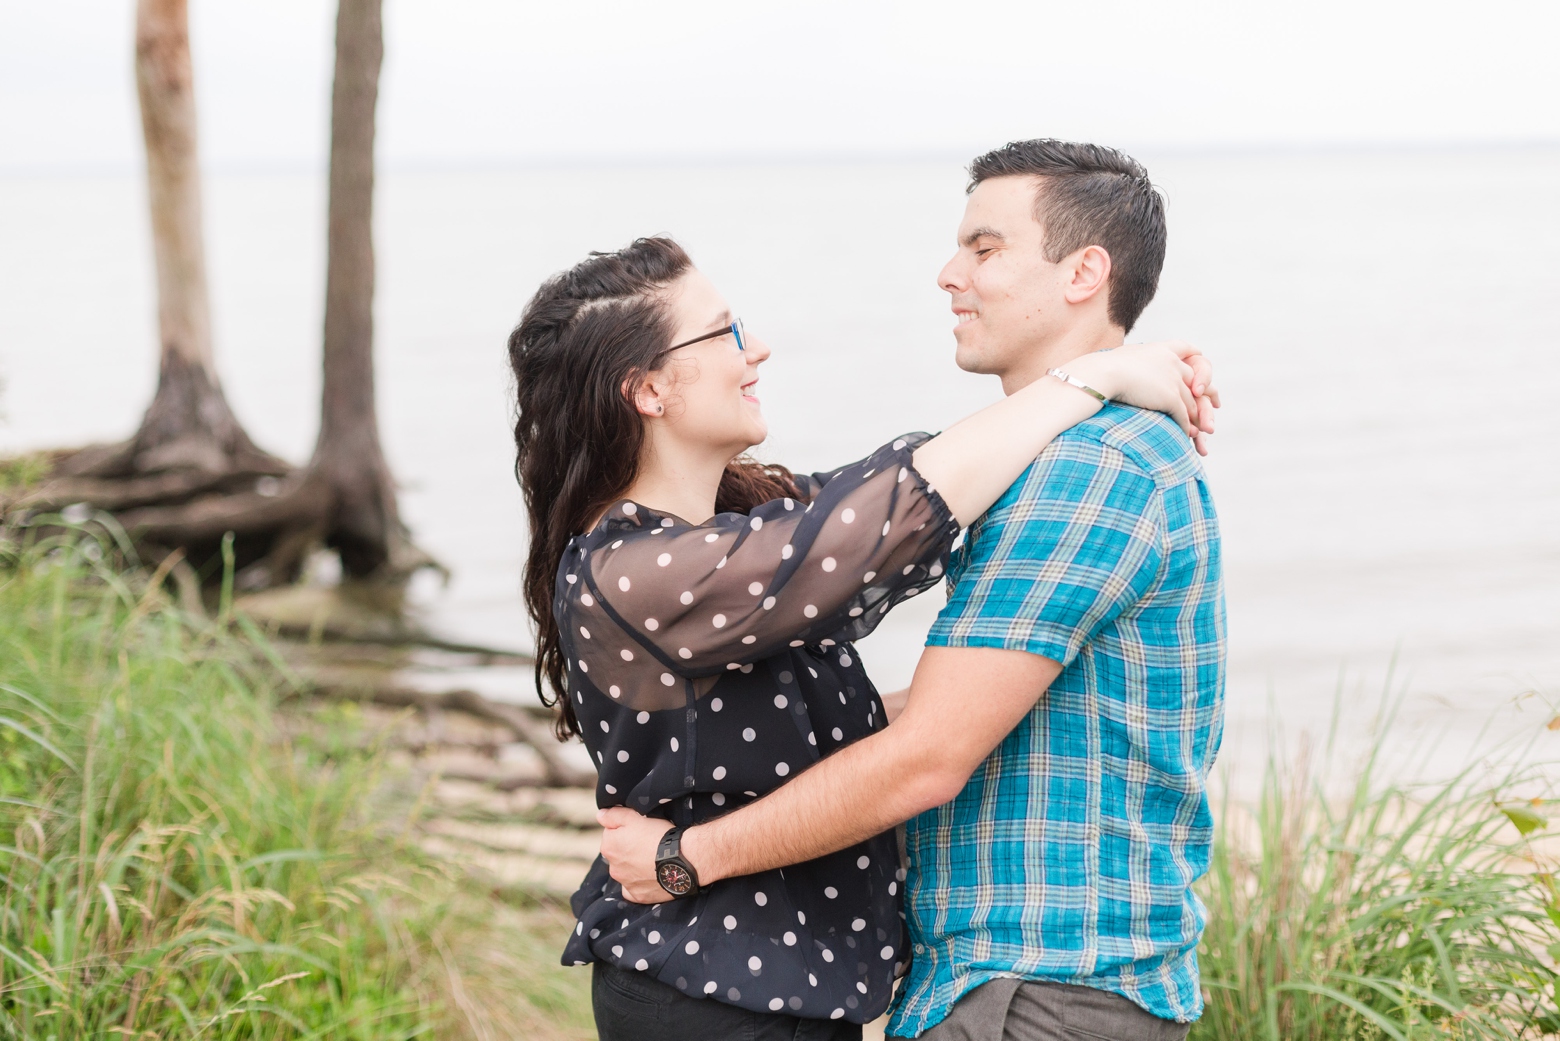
(1384,325)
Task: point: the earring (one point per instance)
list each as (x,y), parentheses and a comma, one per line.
(660,409)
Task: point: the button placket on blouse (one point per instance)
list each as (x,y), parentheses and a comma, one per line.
(796,706)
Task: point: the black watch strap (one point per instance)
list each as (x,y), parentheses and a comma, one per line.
(672,870)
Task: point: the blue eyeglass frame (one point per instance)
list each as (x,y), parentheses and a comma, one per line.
(735,328)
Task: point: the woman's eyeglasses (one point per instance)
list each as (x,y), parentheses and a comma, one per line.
(735,329)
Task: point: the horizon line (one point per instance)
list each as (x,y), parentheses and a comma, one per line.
(751,157)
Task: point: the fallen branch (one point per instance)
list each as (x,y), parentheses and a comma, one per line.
(356,613)
(114,495)
(537,733)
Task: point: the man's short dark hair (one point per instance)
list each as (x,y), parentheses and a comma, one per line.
(1091,195)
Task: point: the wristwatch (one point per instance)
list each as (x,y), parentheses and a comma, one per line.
(674,873)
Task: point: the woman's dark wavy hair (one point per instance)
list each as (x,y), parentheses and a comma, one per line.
(587,334)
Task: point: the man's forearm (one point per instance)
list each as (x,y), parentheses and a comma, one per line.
(962,702)
(860,791)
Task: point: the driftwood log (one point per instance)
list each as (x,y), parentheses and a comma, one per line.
(532,729)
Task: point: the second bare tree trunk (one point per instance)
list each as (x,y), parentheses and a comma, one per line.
(365,526)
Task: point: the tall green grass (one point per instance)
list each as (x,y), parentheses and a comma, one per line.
(1388,910)
(170,868)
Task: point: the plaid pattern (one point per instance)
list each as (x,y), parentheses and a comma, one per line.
(1070,854)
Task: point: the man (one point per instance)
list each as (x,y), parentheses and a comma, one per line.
(1053,751)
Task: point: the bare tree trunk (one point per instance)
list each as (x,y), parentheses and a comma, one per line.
(191,475)
(365,526)
(188,426)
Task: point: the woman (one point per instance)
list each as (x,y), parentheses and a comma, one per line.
(695,614)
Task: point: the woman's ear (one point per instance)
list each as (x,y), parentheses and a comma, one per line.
(646,394)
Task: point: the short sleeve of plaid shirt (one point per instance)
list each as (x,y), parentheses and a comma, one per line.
(1077,539)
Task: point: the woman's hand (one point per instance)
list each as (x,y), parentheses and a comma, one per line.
(1171,377)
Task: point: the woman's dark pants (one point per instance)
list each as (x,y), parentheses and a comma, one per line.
(630,1006)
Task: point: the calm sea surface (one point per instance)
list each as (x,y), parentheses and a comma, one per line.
(1386,328)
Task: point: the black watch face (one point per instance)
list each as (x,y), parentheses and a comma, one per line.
(674,878)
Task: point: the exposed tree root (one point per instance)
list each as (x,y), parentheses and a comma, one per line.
(277,515)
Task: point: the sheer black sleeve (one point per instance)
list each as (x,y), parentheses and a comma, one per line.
(695,600)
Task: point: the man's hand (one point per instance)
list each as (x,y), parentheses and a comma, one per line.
(963,702)
(629,845)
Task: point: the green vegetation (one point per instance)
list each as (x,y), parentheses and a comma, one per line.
(170,867)
(1396,911)
(19,473)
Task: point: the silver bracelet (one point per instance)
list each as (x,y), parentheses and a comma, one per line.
(1073,381)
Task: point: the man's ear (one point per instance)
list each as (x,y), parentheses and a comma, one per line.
(1090,268)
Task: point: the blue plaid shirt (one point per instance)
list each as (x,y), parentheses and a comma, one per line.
(1070,854)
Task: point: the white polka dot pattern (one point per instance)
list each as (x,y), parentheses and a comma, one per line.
(707,663)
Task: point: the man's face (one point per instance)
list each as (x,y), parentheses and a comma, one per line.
(1008,298)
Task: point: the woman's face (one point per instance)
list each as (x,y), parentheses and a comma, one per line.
(711,392)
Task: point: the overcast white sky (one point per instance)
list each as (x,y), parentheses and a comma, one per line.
(506,80)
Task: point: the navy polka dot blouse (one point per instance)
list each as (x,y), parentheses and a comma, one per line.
(708,663)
